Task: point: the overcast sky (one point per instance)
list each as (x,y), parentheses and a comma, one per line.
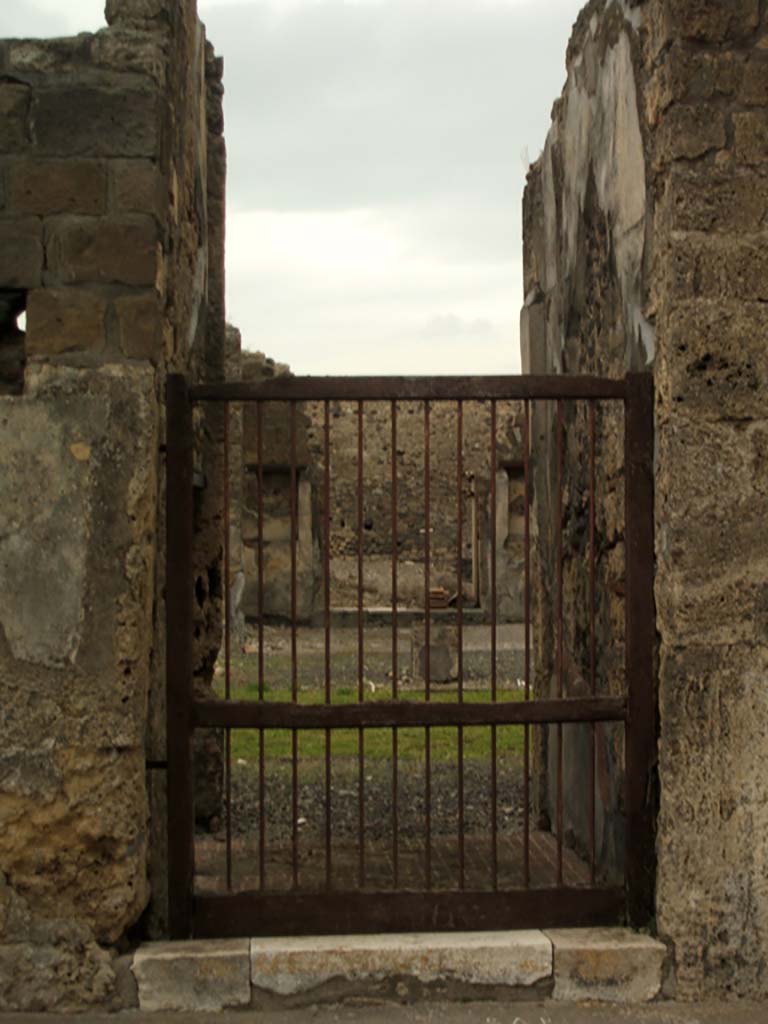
(377,159)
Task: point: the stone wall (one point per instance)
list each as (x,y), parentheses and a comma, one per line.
(644,224)
(344,526)
(411,518)
(111,239)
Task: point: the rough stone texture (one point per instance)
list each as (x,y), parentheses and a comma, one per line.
(50,964)
(21,252)
(606,964)
(110,251)
(82,120)
(57,186)
(14,116)
(683,289)
(73,687)
(193,976)
(65,320)
(287,967)
(140,326)
(114,246)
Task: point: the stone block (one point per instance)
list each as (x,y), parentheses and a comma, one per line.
(21,252)
(696,76)
(612,965)
(57,186)
(706,22)
(193,976)
(118,250)
(716,609)
(754,88)
(126,49)
(690,131)
(288,967)
(14,117)
(139,187)
(708,199)
(716,267)
(65,320)
(126,11)
(81,120)
(63,56)
(54,976)
(84,801)
(710,898)
(715,362)
(140,326)
(750,142)
(727,489)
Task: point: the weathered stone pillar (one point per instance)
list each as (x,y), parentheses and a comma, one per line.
(111,241)
(645,246)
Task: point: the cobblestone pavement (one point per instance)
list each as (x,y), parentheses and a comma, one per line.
(442,1013)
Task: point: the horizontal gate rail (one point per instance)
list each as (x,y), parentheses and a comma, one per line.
(391,714)
(252,913)
(424,389)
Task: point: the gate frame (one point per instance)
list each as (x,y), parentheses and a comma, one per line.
(234,913)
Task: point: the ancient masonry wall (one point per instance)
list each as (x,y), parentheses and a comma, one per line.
(645,246)
(345,527)
(111,240)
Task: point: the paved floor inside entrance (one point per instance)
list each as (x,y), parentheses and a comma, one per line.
(379,867)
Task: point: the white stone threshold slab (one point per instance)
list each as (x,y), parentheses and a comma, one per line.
(606,964)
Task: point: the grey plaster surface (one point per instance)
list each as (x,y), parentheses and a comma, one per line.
(441,1013)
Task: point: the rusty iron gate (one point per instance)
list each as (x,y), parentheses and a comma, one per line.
(533,878)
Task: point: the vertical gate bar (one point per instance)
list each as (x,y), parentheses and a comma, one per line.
(639,649)
(427,653)
(592,647)
(260,527)
(294,662)
(360,648)
(527,617)
(225,409)
(460,620)
(327,609)
(395,844)
(494,673)
(179,590)
(260,570)
(560,627)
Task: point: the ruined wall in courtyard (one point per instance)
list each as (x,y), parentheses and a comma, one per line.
(644,246)
(411,507)
(347,529)
(111,239)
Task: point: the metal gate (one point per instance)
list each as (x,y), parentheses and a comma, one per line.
(541,875)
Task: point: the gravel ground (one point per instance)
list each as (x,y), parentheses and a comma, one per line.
(444,799)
